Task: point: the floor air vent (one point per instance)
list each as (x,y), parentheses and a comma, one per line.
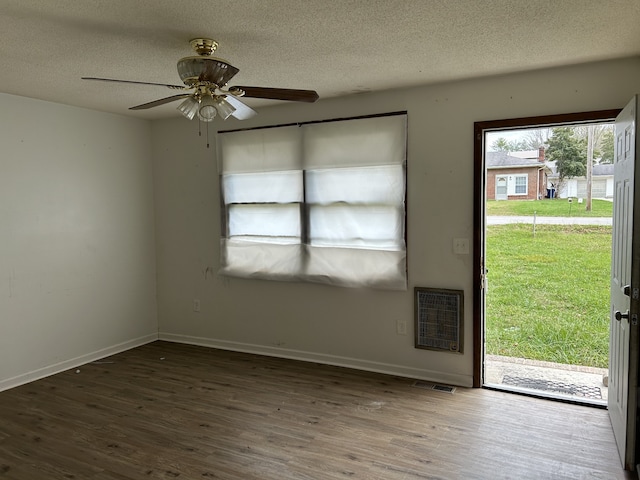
(434,386)
(438,318)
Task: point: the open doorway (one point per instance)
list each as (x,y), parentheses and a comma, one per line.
(549,204)
(535,260)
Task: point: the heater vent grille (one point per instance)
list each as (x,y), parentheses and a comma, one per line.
(439,319)
(434,386)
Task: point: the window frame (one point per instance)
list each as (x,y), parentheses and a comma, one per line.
(515,184)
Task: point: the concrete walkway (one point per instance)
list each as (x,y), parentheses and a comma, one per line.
(503,220)
(555,379)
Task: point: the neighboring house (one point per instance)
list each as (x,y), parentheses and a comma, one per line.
(516,175)
(601,183)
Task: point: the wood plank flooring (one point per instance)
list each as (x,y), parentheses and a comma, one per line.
(167,411)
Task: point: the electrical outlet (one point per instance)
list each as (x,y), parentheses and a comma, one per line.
(401,327)
(461,246)
(196,305)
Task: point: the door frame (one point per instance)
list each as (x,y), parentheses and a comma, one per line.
(506,179)
(479,193)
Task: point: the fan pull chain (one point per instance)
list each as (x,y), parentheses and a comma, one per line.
(199,128)
(208,134)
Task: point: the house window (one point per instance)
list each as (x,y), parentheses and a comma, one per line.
(521,185)
(321,202)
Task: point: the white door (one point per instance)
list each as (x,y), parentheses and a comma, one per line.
(625,289)
(501,187)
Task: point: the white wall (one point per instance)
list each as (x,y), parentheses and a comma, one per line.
(77,253)
(339,325)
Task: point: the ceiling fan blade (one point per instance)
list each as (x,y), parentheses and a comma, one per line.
(242,112)
(162,101)
(309,96)
(179,87)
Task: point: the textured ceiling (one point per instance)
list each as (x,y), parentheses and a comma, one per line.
(337,47)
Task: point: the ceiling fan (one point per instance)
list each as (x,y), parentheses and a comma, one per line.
(206,78)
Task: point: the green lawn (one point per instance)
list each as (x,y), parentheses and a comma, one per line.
(549,208)
(548,295)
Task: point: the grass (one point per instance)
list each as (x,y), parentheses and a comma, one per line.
(548,295)
(559,207)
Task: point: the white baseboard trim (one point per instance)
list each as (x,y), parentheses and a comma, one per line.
(75,362)
(348,362)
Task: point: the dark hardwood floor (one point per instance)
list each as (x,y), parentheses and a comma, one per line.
(166,411)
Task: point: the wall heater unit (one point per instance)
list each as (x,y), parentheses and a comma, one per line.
(439,319)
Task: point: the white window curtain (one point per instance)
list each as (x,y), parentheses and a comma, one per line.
(322,202)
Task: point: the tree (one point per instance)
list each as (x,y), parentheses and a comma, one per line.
(569,152)
(606,146)
(500,145)
(593,134)
(537,138)
(602,134)
(504,145)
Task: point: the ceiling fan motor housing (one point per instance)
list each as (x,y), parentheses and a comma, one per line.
(205,70)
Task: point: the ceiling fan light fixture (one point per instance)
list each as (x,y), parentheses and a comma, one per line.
(189,107)
(225,109)
(207,111)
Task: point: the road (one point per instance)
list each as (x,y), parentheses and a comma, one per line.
(503,220)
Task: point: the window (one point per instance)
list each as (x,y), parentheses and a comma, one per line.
(521,185)
(320,202)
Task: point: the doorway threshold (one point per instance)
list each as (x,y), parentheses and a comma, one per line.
(568,383)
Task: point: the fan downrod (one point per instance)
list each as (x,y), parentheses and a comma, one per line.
(204,46)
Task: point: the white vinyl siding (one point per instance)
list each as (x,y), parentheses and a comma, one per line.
(598,188)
